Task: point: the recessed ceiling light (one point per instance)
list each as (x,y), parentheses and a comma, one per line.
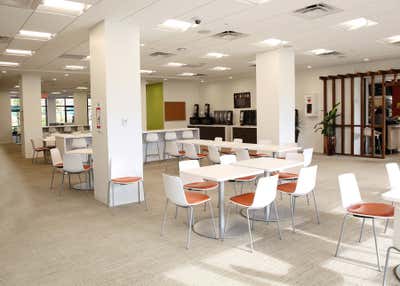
(63,7)
(187,74)
(175,64)
(17,86)
(4,72)
(392,39)
(54,79)
(319,52)
(202,81)
(147,71)
(56,92)
(366,59)
(9,64)
(74,67)
(165,79)
(87,58)
(81,87)
(231,77)
(16,52)
(175,25)
(273,42)
(254,2)
(66,74)
(34,35)
(215,55)
(356,24)
(220,68)
(309,67)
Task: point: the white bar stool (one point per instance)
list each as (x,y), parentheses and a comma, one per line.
(169,137)
(152,138)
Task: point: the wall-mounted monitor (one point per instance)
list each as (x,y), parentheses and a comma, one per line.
(242,100)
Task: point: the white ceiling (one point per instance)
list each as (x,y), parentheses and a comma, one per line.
(273,19)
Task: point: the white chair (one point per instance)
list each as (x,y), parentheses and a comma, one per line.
(152,139)
(242,154)
(304,186)
(168,137)
(180,198)
(194,183)
(263,197)
(213,154)
(355,207)
(261,153)
(52,130)
(188,134)
(306,157)
(56,162)
(172,150)
(73,165)
(230,151)
(67,129)
(37,148)
(190,152)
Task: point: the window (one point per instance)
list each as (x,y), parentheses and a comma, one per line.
(89,106)
(15,112)
(64,110)
(43,103)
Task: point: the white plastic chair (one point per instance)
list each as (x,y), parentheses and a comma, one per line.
(306,157)
(242,154)
(188,134)
(152,138)
(67,129)
(190,152)
(180,198)
(393,173)
(260,153)
(263,197)
(56,162)
(213,154)
(355,207)
(73,166)
(304,186)
(37,147)
(172,150)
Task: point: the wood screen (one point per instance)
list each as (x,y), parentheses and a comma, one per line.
(175,110)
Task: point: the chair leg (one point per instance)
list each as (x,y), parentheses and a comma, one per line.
(33,157)
(308,200)
(212,218)
(277,221)
(141,184)
(190,221)
(315,206)
(292,202)
(387,263)
(376,245)
(176,212)
(164,218)
(69,180)
(362,229)
(280,193)
(52,178)
(341,235)
(251,236)
(228,215)
(386,226)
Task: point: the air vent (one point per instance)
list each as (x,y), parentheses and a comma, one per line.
(316,11)
(72,57)
(25,4)
(199,65)
(330,53)
(4,39)
(229,35)
(161,54)
(200,74)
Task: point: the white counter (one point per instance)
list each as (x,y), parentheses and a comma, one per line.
(169,130)
(64,141)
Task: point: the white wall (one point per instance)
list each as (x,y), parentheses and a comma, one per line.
(80,108)
(5,118)
(51,110)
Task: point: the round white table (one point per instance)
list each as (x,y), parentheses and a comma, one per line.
(85,186)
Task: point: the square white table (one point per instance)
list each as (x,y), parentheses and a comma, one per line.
(221,174)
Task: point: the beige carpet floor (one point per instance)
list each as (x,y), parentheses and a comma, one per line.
(71,239)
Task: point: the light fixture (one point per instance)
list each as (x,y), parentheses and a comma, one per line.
(187,74)
(392,39)
(34,35)
(175,64)
(215,55)
(175,25)
(17,86)
(9,64)
(218,68)
(16,52)
(253,2)
(318,52)
(81,88)
(165,79)
(142,45)
(202,81)
(356,24)
(147,71)
(13,92)
(87,58)
(231,77)
(74,67)
(66,74)
(366,59)
(63,7)
(4,72)
(56,92)
(54,79)
(309,67)
(272,42)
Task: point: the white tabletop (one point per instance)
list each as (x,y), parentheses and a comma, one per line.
(222,173)
(235,145)
(84,151)
(169,130)
(392,195)
(269,164)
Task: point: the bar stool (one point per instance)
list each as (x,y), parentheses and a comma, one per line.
(188,134)
(152,138)
(67,129)
(168,137)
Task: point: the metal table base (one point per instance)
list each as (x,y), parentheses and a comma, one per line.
(237,227)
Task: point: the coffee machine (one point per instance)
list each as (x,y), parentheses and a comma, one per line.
(195,119)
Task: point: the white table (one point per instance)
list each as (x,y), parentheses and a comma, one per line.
(86,185)
(249,146)
(221,174)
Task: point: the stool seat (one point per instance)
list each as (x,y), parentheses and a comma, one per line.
(372,209)
(126,180)
(245,200)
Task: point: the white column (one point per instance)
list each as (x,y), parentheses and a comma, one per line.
(276,96)
(5,118)
(115,89)
(51,110)
(80,108)
(31,114)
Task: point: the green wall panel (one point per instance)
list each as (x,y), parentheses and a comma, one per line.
(154,106)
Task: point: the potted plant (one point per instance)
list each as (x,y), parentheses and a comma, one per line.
(327,127)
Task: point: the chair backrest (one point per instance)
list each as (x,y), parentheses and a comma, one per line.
(67,129)
(349,191)
(187,165)
(79,143)
(265,141)
(55,156)
(174,190)
(218,139)
(294,156)
(52,130)
(265,192)
(170,136)
(213,155)
(308,155)
(227,159)
(307,180)
(171,147)
(238,140)
(152,137)
(393,173)
(242,154)
(188,134)
(36,142)
(73,163)
(190,151)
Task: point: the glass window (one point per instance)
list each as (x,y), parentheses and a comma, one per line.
(44,111)
(64,110)
(15,112)
(89,104)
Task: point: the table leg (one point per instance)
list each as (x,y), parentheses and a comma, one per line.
(221,195)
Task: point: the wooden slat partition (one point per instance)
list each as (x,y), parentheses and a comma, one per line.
(362,97)
(352,114)
(384,115)
(342,116)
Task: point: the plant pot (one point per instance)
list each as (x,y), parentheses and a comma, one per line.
(330,145)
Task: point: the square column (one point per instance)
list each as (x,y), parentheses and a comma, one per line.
(31,113)
(5,118)
(116,104)
(51,110)
(80,108)
(275,75)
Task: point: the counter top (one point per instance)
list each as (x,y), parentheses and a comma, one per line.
(75,135)
(168,130)
(222,125)
(65,125)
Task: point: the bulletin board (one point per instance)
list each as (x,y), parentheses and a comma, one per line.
(175,110)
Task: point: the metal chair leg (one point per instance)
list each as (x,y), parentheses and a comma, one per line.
(376,245)
(387,263)
(176,212)
(292,212)
(315,206)
(308,200)
(251,236)
(141,184)
(190,220)
(362,229)
(52,178)
(228,216)
(164,218)
(386,226)
(341,235)
(277,220)
(212,218)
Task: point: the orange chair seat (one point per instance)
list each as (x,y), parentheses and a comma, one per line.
(41,149)
(287,188)
(182,152)
(126,180)
(227,151)
(246,179)
(86,167)
(195,198)
(288,176)
(244,199)
(259,154)
(59,165)
(372,209)
(201,185)
(201,156)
